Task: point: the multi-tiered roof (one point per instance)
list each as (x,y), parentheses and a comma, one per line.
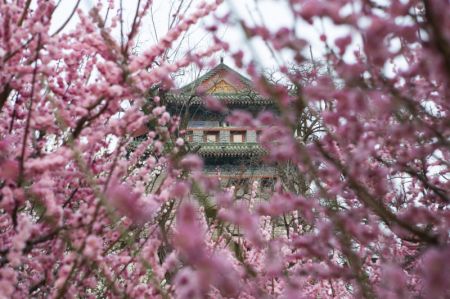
(230,149)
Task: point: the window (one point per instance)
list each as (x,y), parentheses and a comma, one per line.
(238,136)
(241,186)
(267,184)
(258,135)
(211,136)
(190,136)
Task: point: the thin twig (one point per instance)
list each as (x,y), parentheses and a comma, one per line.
(67,20)
(30,108)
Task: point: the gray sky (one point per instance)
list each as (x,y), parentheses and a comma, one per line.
(274,14)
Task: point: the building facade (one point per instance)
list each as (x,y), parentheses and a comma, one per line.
(230,152)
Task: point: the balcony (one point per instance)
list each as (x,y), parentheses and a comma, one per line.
(221,135)
(224,141)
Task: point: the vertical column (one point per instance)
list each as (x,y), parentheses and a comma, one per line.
(197,136)
(251,136)
(224,136)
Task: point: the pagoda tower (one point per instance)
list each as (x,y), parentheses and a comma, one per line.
(230,152)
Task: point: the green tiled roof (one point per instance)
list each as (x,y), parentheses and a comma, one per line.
(218,149)
(226,98)
(239,171)
(228,149)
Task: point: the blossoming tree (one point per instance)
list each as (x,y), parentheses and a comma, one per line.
(81,216)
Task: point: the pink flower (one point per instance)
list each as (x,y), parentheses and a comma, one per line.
(220,273)
(179,142)
(9,170)
(312,9)
(214,104)
(189,237)
(192,162)
(130,203)
(224,199)
(266,118)
(240,118)
(158,110)
(93,247)
(394,279)
(8,279)
(39,28)
(187,284)
(170,262)
(180,190)
(436,270)
(240,215)
(115,91)
(342,43)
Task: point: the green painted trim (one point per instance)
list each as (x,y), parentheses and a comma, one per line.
(228,149)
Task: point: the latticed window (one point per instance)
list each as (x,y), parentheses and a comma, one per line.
(258,135)
(238,136)
(189,136)
(267,184)
(211,136)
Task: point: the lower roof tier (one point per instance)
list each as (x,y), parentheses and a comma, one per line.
(234,171)
(225,98)
(221,149)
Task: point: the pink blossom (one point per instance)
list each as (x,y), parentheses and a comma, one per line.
(187,284)
(189,233)
(240,118)
(93,247)
(9,170)
(115,91)
(8,279)
(312,9)
(214,104)
(355,136)
(130,203)
(158,110)
(240,215)
(342,43)
(436,268)
(394,279)
(192,162)
(180,189)
(179,142)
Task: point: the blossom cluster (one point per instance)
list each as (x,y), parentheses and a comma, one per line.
(360,208)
